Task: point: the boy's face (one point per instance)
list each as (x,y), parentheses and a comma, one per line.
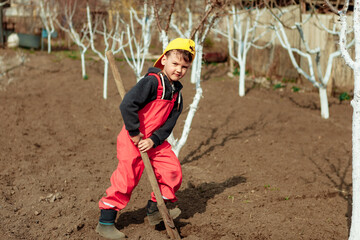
(175,67)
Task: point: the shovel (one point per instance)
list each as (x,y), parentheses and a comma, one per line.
(168,221)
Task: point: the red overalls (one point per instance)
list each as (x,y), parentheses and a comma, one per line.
(166,165)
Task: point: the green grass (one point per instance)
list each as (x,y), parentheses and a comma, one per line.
(285,80)
(278,86)
(268,187)
(295,89)
(236,72)
(344,96)
(232,198)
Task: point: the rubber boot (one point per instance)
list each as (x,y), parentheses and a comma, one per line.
(106,226)
(154,216)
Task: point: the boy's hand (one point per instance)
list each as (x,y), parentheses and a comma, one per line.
(145,144)
(136,139)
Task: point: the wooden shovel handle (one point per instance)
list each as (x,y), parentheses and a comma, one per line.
(168,221)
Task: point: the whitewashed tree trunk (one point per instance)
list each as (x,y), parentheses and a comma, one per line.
(83,66)
(81,39)
(324,102)
(197,66)
(196,74)
(113,40)
(178,144)
(311,76)
(355,103)
(141,46)
(243,38)
(48,14)
(106,71)
(164,39)
(49,41)
(242,77)
(320,81)
(355,218)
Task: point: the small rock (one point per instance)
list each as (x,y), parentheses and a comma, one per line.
(37,213)
(42,199)
(52,199)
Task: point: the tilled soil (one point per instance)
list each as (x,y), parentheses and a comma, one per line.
(263,166)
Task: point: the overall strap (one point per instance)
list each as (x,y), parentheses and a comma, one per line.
(161,89)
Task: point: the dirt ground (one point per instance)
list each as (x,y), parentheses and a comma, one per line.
(264,166)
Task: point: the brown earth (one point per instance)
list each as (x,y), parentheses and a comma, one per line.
(264,166)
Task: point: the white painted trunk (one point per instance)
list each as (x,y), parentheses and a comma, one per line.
(195,65)
(189,118)
(138,76)
(193,70)
(83,68)
(164,39)
(178,144)
(242,78)
(355,65)
(49,41)
(355,218)
(106,67)
(324,104)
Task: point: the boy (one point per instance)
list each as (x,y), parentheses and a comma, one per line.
(150,110)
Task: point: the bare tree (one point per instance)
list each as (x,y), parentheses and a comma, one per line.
(199,33)
(318,80)
(113,39)
(80,36)
(138,43)
(48,14)
(245,38)
(159,10)
(355,102)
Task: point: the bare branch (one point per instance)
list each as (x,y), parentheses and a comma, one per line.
(335,10)
(276,15)
(4,3)
(202,21)
(168,17)
(211,8)
(157,15)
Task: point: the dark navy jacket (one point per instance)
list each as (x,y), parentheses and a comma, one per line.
(141,94)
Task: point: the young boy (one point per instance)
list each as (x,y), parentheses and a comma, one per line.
(149,110)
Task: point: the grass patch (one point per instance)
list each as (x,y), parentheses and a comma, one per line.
(278,86)
(295,89)
(344,96)
(285,80)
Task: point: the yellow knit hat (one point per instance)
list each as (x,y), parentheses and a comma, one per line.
(178,43)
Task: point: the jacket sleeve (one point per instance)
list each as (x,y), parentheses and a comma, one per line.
(141,94)
(160,135)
